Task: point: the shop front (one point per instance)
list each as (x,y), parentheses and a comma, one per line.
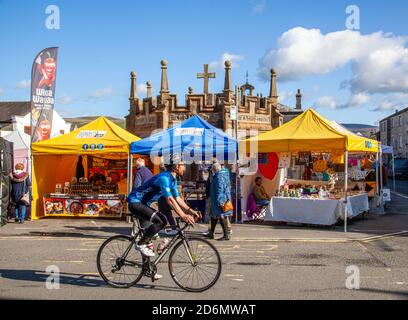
(322,172)
(84,173)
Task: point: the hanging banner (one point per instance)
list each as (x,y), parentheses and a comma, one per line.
(43,78)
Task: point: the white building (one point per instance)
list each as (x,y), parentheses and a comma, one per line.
(15,116)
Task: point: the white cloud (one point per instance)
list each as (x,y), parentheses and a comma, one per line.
(103,93)
(23,84)
(259,7)
(234,58)
(283,95)
(65,100)
(355,100)
(391,102)
(326,102)
(379,60)
(141,90)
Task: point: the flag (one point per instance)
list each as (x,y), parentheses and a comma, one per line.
(43,79)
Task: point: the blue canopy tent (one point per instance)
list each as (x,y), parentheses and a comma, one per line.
(195,139)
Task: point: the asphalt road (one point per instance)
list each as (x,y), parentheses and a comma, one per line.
(251,270)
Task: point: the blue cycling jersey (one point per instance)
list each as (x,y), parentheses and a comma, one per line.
(161,185)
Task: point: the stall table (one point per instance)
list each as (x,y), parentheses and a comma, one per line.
(315,211)
(102,206)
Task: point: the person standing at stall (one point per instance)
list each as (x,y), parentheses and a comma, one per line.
(80,171)
(221,204)
(20,192)
(143,174)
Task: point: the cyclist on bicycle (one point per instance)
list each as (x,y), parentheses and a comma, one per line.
(162,188)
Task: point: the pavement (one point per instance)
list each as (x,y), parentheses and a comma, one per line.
(372,226)
(260,262)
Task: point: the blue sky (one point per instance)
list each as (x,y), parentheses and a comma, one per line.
(102,41)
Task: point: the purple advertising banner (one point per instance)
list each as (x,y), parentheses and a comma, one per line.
(43,78)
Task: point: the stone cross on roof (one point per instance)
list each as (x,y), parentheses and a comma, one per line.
(206,76)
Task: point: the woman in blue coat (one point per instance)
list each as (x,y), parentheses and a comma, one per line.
(220,193)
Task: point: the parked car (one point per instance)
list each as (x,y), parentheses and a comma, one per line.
(401,168)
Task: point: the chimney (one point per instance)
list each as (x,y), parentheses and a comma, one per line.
(133,88)
(227,81)
(298,100)
(164,88)
(273,92)
(149,89)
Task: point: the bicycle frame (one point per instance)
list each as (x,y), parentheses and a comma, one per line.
(180,236)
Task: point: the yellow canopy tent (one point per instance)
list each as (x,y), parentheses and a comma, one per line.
(311,132)
(55,160)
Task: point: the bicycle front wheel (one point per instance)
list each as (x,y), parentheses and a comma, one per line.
(195,265)
(118,269)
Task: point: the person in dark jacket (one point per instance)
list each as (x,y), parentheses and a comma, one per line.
(20,185)
(143,174)
(220,193)
(80,171)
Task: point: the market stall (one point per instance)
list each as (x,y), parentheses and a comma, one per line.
(83,173)
(198,142)
(320,186)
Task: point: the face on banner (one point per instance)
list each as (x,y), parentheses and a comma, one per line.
(43,80)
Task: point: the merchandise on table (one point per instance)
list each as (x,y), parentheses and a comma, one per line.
(108,206)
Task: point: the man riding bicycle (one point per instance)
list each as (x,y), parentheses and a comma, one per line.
(162,188)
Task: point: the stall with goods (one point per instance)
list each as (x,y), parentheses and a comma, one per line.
(84,173)
(199,144)
(329,172)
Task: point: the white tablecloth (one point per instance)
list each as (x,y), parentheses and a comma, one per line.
(314,211)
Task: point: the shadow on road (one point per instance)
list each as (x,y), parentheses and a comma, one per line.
(380,291)
(72,279)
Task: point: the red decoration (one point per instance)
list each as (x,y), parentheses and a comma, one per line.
(269,169)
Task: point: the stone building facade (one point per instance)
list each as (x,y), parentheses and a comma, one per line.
(394,132)
(163,111)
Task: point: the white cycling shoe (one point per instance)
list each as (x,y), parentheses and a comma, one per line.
(157,276)
(145,250)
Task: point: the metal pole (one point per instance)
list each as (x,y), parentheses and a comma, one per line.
(346,156)
(393,171)
(236,154)
(381,175)
(130,178)
(1,189)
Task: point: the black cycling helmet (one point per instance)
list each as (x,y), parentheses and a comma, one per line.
(172,160)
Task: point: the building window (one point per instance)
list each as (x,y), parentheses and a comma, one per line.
(400,142)
(400,121)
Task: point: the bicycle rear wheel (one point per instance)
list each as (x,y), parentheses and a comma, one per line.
(117,270)
(195,265)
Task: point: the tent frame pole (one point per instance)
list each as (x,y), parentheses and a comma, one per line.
(346,173)
(381,175)
(130,177)
(393,172)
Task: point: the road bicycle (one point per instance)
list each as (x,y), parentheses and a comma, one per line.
(194,263)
